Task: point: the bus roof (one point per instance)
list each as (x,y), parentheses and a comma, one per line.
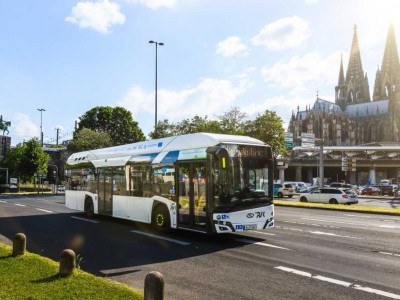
(162,150)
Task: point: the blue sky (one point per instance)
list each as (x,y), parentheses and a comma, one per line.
(70,56)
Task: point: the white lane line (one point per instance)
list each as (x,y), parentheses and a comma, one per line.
(45,210)
(378,292)
(83,219)
(17,204)
(331,280)
(261,244)
(339,282)
(349,223)
(3,201)
(161,238)
(336,235)
(388,253)
(261,232)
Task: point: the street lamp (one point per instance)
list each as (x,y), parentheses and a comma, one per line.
(155,119)
(41,125)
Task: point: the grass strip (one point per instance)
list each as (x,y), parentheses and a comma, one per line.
(353,208)
(35,277)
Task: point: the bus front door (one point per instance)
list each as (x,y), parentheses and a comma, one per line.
(191,195)
(105,191)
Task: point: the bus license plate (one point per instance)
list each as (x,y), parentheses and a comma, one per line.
(250,227)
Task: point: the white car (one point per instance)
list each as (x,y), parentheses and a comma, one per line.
(330,195)
(282,190)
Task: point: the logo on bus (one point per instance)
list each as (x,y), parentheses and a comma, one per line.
(250,215)
(223,217)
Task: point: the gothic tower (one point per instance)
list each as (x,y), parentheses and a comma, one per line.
(387,82)
(356,81)
(340,89)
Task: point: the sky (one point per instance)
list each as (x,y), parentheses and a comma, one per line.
(68,57)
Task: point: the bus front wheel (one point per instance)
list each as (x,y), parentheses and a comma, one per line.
(160,219)
(89,209)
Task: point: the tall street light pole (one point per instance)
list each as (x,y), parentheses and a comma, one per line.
(155,119)
(41,124)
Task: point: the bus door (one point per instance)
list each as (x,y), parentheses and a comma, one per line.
(191,195)
(105,191)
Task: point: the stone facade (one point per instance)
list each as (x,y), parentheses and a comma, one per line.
(353,119)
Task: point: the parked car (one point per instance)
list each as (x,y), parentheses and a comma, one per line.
(370,191)
(282,190)
(61,188)
(330,195)
(300,187)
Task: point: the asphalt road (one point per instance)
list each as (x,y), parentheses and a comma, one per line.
(311,254)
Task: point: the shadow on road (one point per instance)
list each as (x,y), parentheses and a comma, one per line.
(108,244)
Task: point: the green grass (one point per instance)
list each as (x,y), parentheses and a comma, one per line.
(34,277)
(354,208)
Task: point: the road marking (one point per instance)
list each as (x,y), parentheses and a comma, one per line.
(17,204)
(333,234)
(388,253)
(378,292)
(45,210)
(260,244)
(349,223)
(260,232)
(339,282)
(3,201)
(83,219)
(161,237)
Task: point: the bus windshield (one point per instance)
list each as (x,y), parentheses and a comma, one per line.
(244,180)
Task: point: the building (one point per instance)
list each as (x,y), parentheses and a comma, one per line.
(353,120)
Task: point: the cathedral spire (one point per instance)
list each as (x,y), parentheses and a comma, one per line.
(341,73)
(388,81)
(354,69)
(390,62)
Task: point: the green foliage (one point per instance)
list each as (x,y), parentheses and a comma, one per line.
(26,159)
(232,121)
(34,159)
(268,128)
(117,122)
(87,139)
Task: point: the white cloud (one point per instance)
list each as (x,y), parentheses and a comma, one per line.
(24,127)
(207,98)
(100,15)
(155,4)
(301,70)
(283,34)
(231,46)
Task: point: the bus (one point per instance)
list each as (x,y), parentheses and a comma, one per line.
(212,183)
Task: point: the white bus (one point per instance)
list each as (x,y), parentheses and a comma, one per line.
(212,183)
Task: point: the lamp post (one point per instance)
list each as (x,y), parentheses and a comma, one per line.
(41,124)
(155,119)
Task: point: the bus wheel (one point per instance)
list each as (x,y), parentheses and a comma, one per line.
(160,219)
(89,209)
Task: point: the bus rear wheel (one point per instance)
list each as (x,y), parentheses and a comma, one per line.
(89,208)
(161,219)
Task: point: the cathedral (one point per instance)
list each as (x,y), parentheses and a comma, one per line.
(355,118)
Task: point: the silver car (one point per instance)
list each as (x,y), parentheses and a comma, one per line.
(330,195)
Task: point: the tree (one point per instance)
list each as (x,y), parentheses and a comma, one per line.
(33,159)
(117,122)
(269,129)
(164,129)
(232,121)
(12,160)
(87,139)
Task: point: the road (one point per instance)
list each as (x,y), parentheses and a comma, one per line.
(378,201)
(311,254)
